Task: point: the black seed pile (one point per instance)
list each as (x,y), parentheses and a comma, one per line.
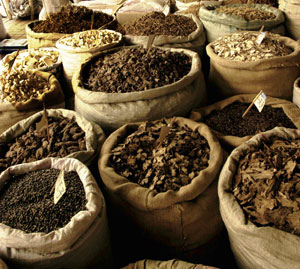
(27,204)
(229,121)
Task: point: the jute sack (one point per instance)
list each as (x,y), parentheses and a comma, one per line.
(112,110)
(275,76)
(93,133)
(82,243)
(170,264)
(13,113)
(291,10)
(194,41)
(290,110)
(217,24)
(3,32)
(178,221)
(252,246)
(296,92)
(3,265)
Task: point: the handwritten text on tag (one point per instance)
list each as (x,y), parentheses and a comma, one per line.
(260,101)
(60,187)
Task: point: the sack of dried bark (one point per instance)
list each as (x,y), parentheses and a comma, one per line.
(255,67)
(296,92)
(291,10)
(219,23)
(128,95)
(166,29)
(81,243)
(70,136)
(176,222)
(263,245)
(38,88)
(226,122)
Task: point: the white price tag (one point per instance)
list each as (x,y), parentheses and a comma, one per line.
(260,37)
(260,101)
(60,186)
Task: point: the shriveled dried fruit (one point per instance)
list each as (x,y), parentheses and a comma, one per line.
(164,166)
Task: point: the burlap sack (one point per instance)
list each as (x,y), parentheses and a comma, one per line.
(275,76)
(217,24)
(3,32)
(112,110)
(13,113)
(178,221)
(290,109)
(82,243)
(296,92)
(93,133)
(3,265)
(194,41)
(252,246)
(291,10)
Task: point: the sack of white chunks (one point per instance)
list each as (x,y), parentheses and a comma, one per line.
(291,10)
(238,65)
(23,93)
(69,20)
(226,121)
(173,30)
(226,19)
(170,264)
(162,176)
(133,84)
(296,92)
(41,229)
(63,133)
(258,193)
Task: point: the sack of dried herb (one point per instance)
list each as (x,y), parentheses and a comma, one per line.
(226,122)
(224,20)
(296,92)
(238,65)
(133,84)
(178,220)
(23,94)
(291,10)
(263,227)
(83,242)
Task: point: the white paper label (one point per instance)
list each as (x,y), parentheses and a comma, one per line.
(60,187)
(260,101)
(260,37)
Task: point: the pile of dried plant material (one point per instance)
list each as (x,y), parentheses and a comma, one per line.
(32,59)
(157,23)
(229,121)
(135,69)
(91,39)
(267,184)
(247,13)
(21,86)
(273,3)
(243,46)
(72,19)
(65,137)
(161,165)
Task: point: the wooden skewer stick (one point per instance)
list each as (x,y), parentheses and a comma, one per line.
(251,105)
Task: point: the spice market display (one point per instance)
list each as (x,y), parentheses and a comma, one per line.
(146,169)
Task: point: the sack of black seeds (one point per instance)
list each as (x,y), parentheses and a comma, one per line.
(258,193)
(162,178)
(133,84)
(226,121)
(68,135)
(37,231)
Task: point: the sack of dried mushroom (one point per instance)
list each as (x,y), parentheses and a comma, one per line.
(258,193)
(166,187)
(222,20)
(226,122)
(133,84)
(239,65)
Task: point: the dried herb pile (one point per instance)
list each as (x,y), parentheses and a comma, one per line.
(72,19)
(66,137)
(26,201)
(247,13)
(135,69)
(157,23)
(229,121)
(267,184)
(243,47)
(161,167)
(273,3)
